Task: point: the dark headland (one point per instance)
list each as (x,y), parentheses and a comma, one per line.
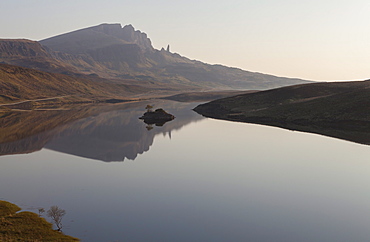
(337,109)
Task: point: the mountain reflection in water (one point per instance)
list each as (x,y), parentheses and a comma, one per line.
(107,133)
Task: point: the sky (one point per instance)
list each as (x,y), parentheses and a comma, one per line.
(322,40)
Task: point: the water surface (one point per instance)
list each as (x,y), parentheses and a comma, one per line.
(194,179)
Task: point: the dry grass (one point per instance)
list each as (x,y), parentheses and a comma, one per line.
(19,83)
(26,226)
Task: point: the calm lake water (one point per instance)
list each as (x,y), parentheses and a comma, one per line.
(194,179)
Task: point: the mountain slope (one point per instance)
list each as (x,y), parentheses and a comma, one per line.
(113,51)
(19,83)
(109,50)
(339,109)
(120,54)
(31,54)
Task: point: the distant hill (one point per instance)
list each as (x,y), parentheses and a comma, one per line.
(113,51)
(340,109)
(31,54)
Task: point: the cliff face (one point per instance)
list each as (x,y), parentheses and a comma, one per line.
(115,54)
(127,33)
(107,49)
(81,41)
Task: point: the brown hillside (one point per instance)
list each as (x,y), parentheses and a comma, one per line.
(19,83)
(31,54)
(21,47)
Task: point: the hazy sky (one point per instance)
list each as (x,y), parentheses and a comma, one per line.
(316,40)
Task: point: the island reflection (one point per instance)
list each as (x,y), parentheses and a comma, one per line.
(106,133)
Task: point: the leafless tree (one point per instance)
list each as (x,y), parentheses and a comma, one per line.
(149,108)
(41,211)
(56,214)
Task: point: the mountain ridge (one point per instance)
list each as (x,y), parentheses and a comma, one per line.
(123,51)
(125,35)
(110,56)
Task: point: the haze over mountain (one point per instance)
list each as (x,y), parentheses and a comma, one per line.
(123,53)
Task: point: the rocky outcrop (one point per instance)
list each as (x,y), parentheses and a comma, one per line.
(81,41)
(102,47)
(115,54)
(126,33)
(159,117)
(131,35)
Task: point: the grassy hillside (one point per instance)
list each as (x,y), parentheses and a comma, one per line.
(26,226)
(31,54)
(339,109)
(19,83)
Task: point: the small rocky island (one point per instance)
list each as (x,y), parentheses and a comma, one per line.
(158,117)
